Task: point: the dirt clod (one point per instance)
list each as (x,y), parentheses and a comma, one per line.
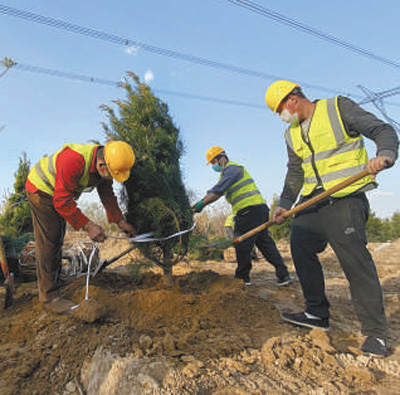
(89,310)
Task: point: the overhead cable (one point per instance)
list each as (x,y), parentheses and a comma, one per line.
(115,84)
(280,18)
(102,81)
(64,74)
(59,24)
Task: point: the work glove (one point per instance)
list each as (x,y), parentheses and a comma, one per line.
(199,206)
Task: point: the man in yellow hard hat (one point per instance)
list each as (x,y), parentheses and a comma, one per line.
(53,186)
(249,210)
(325,146)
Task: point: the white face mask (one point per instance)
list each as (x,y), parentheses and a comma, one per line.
(287,117)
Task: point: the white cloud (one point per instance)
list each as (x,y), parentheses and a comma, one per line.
(148,76)
(132,50)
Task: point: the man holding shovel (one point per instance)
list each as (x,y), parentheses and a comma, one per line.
(249,210)
(52,188)
(325,146)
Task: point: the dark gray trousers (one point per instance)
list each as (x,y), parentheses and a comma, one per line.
(341,223)
(248,219)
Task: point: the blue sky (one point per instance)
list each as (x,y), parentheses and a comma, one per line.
(41,112)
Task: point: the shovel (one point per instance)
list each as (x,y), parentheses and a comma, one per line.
(103,264)
(306,204)
(9,277)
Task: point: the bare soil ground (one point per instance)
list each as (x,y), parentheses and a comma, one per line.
(206,334)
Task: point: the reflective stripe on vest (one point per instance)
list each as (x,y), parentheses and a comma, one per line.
(243,193)
(43,174)
(230,221)
(335,154)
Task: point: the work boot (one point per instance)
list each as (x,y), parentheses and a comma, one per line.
(58,305)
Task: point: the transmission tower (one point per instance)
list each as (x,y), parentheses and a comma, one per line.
(377,100)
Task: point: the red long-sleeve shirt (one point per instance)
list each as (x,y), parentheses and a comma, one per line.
(70,167)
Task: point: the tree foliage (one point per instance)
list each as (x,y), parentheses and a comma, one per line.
(282,231)
(154,195)
(16,218)
(382,230)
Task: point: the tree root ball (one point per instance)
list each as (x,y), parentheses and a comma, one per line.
(89,311)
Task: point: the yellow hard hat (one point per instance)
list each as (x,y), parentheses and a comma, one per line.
(213,152)
(119,158)
(277,92)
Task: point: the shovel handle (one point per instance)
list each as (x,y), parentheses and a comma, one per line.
(306,204)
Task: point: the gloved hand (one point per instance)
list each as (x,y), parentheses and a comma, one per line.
(199,206)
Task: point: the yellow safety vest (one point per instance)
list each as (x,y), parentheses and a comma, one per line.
(43,174)
(230,221)
(243,193)
(331,155)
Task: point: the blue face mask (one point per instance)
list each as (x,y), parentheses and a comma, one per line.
(216,167)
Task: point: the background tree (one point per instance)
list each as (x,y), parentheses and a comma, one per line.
(282,231)
(154,195)
(395,225)
(374,228)
(381,230)
(16,218)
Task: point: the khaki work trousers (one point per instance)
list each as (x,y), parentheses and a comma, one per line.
(49,228)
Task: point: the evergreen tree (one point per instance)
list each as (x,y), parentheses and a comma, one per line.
(154,195)
(378,230)
(16,218)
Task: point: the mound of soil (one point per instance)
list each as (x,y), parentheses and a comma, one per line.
(205,334)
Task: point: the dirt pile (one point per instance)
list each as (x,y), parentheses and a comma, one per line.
(206,334)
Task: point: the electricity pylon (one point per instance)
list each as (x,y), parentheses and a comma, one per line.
(377,100)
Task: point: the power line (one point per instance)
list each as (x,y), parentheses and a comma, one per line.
(211,99)
(65,74)
(280,18)
(62,25)
(115,84)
